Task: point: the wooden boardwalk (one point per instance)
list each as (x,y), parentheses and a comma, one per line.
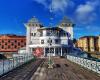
(23,72)
(64,70)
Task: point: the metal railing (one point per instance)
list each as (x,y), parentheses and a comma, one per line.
(7,65)
(90,64)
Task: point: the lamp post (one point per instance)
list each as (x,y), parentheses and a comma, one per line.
(50,61)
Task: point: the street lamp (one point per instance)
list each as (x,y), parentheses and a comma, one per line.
(50,61)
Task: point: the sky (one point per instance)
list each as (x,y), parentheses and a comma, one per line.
(85,14)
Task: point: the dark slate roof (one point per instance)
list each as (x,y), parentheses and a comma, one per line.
(33,20)
(88,37)
(66,20)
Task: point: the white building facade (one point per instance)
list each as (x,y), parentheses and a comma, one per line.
(39,36)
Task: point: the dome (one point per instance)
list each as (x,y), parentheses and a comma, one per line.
(66,20)
(33,20)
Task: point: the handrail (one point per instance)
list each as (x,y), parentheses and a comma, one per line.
(87,63)
(7,65)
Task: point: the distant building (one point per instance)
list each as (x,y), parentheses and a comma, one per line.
(89,43)
(22,50)
(98,43)
(11,43)
(39,36)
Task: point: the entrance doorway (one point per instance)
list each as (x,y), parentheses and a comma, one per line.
(49,51)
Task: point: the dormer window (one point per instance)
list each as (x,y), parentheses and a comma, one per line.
(66,24)
(34,34)
(29,24)
(31,34)
(63,25)
(36,24)
(32,24)
(69,24)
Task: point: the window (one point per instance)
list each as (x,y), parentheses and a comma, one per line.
(49,41)
(42,41)
(41,34)
(15,46)
(2,41)
(32,24)
(51,50)
(50,33)
(56,41)
(31,34)
(19,44)
(5,43)
(9,41)
(29,24)
(64,34)
(15,41)
(22,46)
(34,34)
(12,44)
(22,41)
(36,24)
(2,47)
(9,47)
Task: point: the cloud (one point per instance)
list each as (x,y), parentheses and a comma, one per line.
(57,5)
(42,2)
(60,5)
(85,13)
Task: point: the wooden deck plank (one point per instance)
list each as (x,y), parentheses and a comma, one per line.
(63,70)
(66,71)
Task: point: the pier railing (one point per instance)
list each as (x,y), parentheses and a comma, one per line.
(90,64)
(7,65)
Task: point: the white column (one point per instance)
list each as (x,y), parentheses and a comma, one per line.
(44,32)
(31,50)
(27,38)
(61,51)
(54,52)
(44,51)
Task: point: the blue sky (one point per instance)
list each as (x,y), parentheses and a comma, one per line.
(84,13)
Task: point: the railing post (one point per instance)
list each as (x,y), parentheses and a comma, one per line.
(9,64)
(3,66)
(96,66)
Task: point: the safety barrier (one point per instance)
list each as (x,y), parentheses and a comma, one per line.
(90,64)
(7,65)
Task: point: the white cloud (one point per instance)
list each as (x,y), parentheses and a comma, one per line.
(57,5)
(85,13)
(42,2)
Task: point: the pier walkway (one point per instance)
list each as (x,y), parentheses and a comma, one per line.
(63,70)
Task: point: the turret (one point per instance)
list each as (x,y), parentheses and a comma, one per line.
(67,26)
(32,25)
